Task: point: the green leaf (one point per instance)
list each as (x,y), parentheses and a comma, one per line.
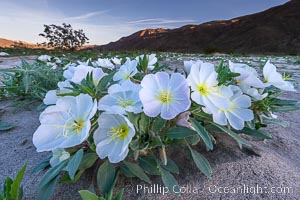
(66,178)
(137,171)
(4,126)
(15,187)
(52,173)
(87,195)
(7,188)
(203,134)
(127,172)
(46,190)
(88,160)
(171,166)
(104,82)
(144,123)
(149,164)
(26,82)
(169,180)
(180,132)
(42,165)
(256,133)
(105,177)
(158,124)
(201,162)
(74,163)
(119,195)
(235,136)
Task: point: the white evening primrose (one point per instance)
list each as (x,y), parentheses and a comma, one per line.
(164,95)
(206,92)
(237,113)
(116,60)
(69,71)
(248,75)
(122,98)
(188,64)
(104,62)
(50,98)
(113,136)
(256,94)
(272,77)
(58,155)
(126,71)
(65,124)
(152,60)
(81,72)
(44,58)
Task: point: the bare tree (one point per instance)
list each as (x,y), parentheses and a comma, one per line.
(63,37)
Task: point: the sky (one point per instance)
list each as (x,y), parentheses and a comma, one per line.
(105,21)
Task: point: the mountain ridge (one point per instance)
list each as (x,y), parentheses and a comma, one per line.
(275,30)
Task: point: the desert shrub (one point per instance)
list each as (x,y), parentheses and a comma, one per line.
(64,37)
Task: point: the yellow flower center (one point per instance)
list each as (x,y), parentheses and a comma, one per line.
(165,96)
(77,126)
(127,76)
(125,103)
(203,89)
(120,132)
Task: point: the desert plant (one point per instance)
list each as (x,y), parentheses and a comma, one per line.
(12,189)
(64,36)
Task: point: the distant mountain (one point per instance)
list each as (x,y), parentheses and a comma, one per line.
(276,30)
(5,43)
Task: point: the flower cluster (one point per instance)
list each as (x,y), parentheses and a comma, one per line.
(125,108)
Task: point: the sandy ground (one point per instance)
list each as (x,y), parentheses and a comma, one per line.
(270,170)
(7,62)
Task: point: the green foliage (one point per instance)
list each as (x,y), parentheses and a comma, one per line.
(105,177)
(201,162)
(225,76)
(12,189)
(74,163)
(28,81)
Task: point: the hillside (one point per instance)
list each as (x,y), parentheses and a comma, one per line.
(276,30)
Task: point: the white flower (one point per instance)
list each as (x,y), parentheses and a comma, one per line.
(152,60)
(65,124)
(84,63)
(4,54)
(256,94)
(57,60)
(113,136)
(163,95)
(81,72)
(63,86)
(44,58)
(52,65)
(188,64)
(122,98)
(69,71)
(58,155)
(182,120)
(105,63)
(206,92)
(272,77)
(50,98)
(238,111)
(116,61)
(248,75)
(126,71)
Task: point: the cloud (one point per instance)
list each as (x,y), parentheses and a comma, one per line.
(158,21)
(86,16)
